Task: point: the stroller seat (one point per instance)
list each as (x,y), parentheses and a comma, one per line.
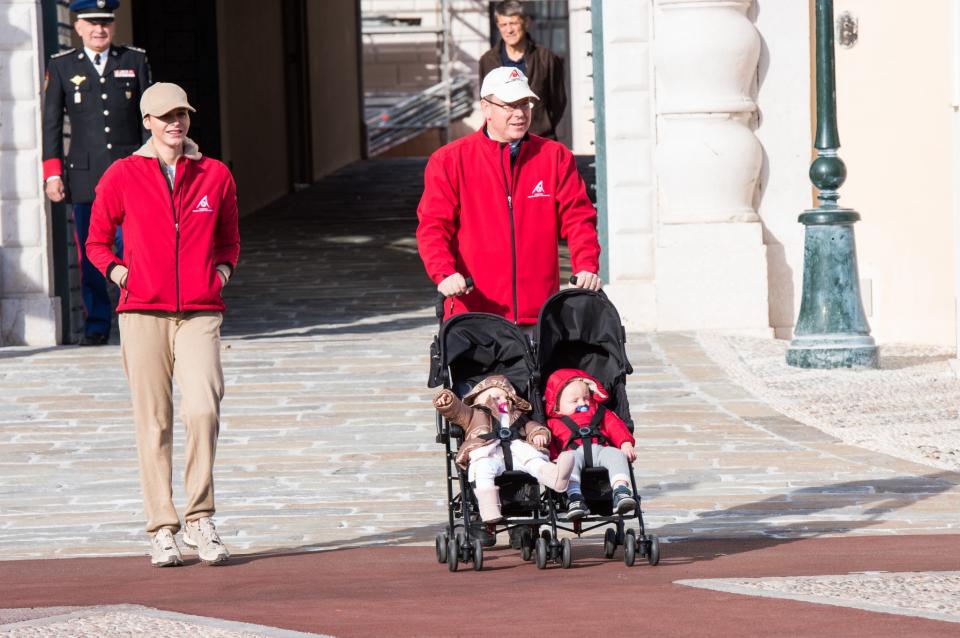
(519,493)
(595,485)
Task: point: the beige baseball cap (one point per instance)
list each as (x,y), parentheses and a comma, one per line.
(507,83)
(163,97)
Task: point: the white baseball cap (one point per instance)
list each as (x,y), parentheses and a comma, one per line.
(507,83)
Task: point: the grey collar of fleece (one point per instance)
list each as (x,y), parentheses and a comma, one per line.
(190,150)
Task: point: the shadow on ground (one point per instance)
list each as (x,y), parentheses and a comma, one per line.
(340,255)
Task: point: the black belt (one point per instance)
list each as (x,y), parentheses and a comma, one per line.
(586,434)
(505,435)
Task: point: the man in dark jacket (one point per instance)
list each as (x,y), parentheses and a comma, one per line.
(98,86)
(543,68)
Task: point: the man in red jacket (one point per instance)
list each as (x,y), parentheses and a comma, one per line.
(495,204)
(178,211)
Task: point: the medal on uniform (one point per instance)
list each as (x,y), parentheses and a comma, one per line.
(77,81)
(129,94)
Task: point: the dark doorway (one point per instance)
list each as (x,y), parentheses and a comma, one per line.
(180,37)
(297,82)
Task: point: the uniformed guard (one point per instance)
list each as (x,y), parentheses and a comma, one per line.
(98,86)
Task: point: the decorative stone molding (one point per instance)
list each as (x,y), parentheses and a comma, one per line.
(708,158)
(711,262)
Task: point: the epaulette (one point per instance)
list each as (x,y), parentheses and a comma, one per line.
(133,48)
(63,53)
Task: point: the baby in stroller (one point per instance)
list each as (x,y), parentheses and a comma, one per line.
(579,422)
(492,414)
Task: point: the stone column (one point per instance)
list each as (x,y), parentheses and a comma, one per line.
(629,123)
(29,313)
(711,261)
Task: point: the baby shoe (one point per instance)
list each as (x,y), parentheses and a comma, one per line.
(577,508)
(623,501)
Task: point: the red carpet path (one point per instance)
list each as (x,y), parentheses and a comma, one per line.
(403,591)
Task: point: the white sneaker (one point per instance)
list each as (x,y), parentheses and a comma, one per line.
(202,536)
(163,550)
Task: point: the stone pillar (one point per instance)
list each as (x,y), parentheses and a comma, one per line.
(711,261)
(29,313)
(630,177)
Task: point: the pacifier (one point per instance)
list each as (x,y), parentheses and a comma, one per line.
(582,408)
(503,407)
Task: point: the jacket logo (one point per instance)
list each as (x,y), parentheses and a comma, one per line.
(203,206)
(538,191)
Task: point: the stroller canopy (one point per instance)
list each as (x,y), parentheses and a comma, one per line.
(582,329)
(475,345)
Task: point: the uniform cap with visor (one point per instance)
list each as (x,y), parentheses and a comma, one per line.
(163,97)
(95,10)
(508,84)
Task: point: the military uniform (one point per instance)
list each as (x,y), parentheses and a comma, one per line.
(105,125)
(104,111)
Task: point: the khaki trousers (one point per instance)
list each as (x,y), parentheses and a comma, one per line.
(156,348)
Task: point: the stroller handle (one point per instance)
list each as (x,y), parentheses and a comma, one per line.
(441,299)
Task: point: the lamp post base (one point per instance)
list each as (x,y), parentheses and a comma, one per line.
(833,351)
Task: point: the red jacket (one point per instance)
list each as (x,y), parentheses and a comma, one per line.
(172,242)
(612,427)
(501,227)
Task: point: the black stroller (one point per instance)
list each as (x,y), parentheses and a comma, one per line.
(468,348)
(581,329)
(576,329)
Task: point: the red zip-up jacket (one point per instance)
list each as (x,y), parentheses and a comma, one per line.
(172,241)
(612,426)
(501,226)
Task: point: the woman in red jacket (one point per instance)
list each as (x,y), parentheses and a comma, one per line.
(578,421)
(178,211)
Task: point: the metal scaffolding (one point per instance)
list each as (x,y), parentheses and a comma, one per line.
(393,117)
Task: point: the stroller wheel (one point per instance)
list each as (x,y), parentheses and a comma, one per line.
(566,553)
(609,542)
(526,544)
(653,550)
(453,555)
(441,543)
(541,553)
(629,548)
(477,555)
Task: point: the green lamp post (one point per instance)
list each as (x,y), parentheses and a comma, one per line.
(832,329)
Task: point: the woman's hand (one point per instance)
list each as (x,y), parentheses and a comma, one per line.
(628,451)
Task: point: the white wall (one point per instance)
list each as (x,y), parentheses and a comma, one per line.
(895,117)
(28,312)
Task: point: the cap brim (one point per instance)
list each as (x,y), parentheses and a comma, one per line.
(514,93)
(96,16)
(157,111)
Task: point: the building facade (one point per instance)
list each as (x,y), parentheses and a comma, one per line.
(707,113)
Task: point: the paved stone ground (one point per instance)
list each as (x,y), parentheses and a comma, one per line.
(327,437)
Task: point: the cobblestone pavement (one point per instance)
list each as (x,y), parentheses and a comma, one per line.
(129,620)
(327,435)
(934,595)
